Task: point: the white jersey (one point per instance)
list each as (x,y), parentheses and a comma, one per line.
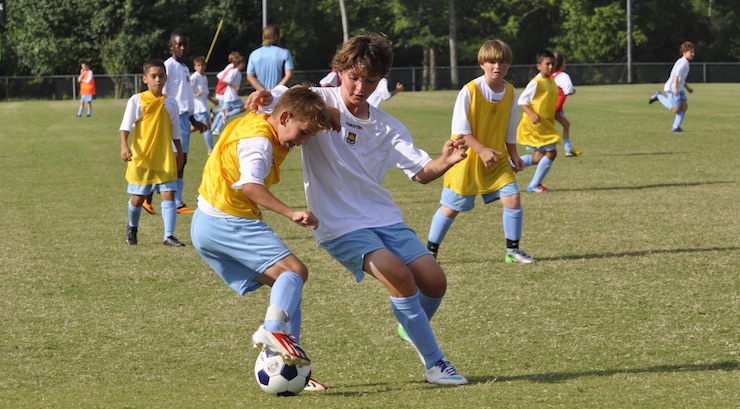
(564,82)
(133,113)
(460,122)
(233,78)
(380,94)
(680,70)
(343,171)
(199,83)
(178,85)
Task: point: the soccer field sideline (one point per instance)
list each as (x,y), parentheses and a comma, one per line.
(633,304)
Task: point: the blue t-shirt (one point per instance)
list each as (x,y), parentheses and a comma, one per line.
(269,64)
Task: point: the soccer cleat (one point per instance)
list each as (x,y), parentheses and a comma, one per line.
(131,235)
(518,256)
(677,129)
(173,242)
(314,385)
(573,153)
(185,210)
(281,344)
(654,97)
(148,206)
(538,189)
(404,336)
(443,373)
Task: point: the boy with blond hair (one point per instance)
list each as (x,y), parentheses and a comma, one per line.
(486,114)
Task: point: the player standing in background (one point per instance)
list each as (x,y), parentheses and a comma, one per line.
(87,88)
(270,65)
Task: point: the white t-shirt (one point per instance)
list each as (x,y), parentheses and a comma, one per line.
(255,163)
(178,85)
(199,83)
(343,171)
(234,79)
(133,113)
(564,82)
(529,91)
(680,70)
(460,123)
(330,80)
(380,94)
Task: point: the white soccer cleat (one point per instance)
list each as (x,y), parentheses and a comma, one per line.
(315,386)
(281,344)
(443,373)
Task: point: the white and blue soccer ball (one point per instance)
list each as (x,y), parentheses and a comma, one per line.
(276,377)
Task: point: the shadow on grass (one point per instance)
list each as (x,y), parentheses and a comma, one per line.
(555,377)
(636,253)
(655,186)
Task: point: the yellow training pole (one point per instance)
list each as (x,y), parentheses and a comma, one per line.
(215,36)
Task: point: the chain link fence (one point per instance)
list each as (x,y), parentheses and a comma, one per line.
(63,87)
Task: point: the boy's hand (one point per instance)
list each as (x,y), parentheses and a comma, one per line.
(518,164)
(305,218)
(199,126)
(258,99)
(489,157)
(454,150)
(125,153)
(534,118)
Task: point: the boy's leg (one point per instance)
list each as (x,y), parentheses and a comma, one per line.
(678,120)
(89,108)
(82,106)
(664,100)
(414,320)
(438,230)
(132,227)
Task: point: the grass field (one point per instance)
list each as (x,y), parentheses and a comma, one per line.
(633,303)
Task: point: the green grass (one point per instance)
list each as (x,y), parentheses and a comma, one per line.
(634,302)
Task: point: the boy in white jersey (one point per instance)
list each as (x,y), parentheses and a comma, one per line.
(486,114)
(228,228)
(675,98)
(151,159)
(178,86)
(201,96)
(565,88)
(361,226)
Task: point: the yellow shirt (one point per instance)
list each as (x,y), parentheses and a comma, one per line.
(489,122)
(544,102)
(152,157)
(222,168)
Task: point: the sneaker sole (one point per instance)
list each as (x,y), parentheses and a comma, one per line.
(448,381)
(264,344)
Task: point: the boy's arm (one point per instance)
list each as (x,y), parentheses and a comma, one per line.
(254,82)
(453,151)
(688,88)
(179,155)
(125,150)
(260,195)
(514,156)
(532,115)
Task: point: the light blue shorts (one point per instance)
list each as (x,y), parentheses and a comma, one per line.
(351,248)
(543,148)
(146,190)
(184,133)
(86,98)
(202,117)
(675,100)
(237,249)
(228,106)
(462,203)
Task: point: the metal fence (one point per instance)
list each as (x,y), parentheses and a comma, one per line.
(61,87)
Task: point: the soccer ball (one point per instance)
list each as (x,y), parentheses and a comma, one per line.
(276,377)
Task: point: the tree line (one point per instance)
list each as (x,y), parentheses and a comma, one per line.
(44,37)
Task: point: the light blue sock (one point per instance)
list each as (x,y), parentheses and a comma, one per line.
(233,112)
(293,327)
(542,168)
(566,145)
(89,111)
(79,112)
(513,223)
(664,100)
(527,159)
(678,120)
(285,295)
(208,135)
(429,304)
(169,217)
(178,194)
(414,320)
(134,214)
(440,225)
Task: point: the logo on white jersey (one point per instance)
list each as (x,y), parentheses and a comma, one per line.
(351,140)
